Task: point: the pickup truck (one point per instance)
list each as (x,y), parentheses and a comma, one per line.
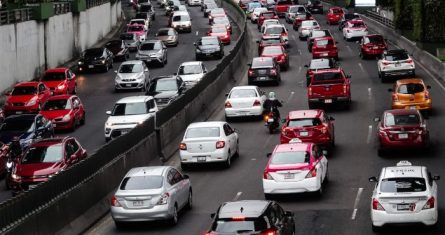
(329,86)
(282,7)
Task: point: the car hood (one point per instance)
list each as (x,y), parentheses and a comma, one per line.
(52,114)
(192,77)
(6,136)
(148,52)
(163,94)
(20,98)
(129,119)
(53,84)
(128,75)
(39,169)
(166,38)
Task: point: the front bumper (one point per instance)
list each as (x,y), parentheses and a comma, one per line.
(157,212)
(306,185)
(61,125)
(426,217)
(128,85)
(112,132)
(357,34)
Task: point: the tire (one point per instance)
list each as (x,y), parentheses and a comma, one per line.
(228,162)
(174,219)
(376,228)
(82,121)
(107,139)
(271,129)
(190,200)
(73,127)
(362,56)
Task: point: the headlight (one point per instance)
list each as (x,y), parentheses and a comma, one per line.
(118,77)
(61,87)
(108,124)
(80,62)
(51,175)
(103,61)
(66,118)
(16,177)
(32,102)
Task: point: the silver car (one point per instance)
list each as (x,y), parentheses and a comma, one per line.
(192,72)
(152,51)
(132,74)
(150,194)
(130,41)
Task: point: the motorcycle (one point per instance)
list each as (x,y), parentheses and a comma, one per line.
(271,121)
(11,162)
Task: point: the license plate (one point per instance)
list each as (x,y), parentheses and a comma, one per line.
(375,48)
(270,120)
(18,112)
(403,207)
(138,203)
(262,78)
(397,65)
(413,107)
(304,133)
(403,136)
(90,66)
(324,54)
(288,176)
(328,101)
(124,132)
(201,159)
(128,85)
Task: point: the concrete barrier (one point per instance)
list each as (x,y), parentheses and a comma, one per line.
(59,34)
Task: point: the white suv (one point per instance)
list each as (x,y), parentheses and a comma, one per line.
(395,63)
(192,72)
(404,194)
(128,113)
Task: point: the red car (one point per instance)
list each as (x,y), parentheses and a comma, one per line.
(26,97)
(329,86)
(300,18)
(324,47)
(45,159)
(309,126)
(65,111)
(269,41)
(372,45)
(279,53)
(60,81)
(334,15)
(220,31)
(265,16)
(282,6)
(402,129)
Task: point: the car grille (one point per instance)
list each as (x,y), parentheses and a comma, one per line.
(162,100)
(129,84)
(128,80)
(117,133)
(18,104)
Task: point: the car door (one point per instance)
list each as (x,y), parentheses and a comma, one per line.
(75,104)
(173,187)
(322,162)
(182,187)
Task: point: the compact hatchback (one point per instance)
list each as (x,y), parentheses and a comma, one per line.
(324,47)
(208,47)
(65,111)
(395,63)
(372,45)
(152,51)
(192,72)
(132,74)
(269,41)
(26,97)
(411,93)
(279,54)
(354,29)
(221,32)
(306,27)
(168,36)
(334,15)
(60,81)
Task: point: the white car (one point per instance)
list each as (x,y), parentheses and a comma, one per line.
(132,74)
(194,2)
(181,21)
(306,28)
(192,72)
(244,101)
(256,14)
(404,194)
(269,22)
(207,142)
(395,63)
(127,113)
(354,29)
(277,30)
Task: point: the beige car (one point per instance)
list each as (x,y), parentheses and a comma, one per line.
(169,36)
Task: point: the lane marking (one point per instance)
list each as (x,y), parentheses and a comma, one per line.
(369,93)
(299,51)
(290,96)
(237,196)
(361,67)
(295,39)
(253,159)
(357,200)
(368,139)
(197,32)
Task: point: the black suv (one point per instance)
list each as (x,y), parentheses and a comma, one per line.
(207,47)
(165,89)
(252,217)
(263,69)
(315,7)
(96,58)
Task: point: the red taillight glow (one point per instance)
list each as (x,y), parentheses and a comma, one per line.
(257,103)
(115,202)
(309,91)
(238,218)
(251,72)
(429,204)
(228,104)
(345,89)
(386,63)
(182,146)
(427,95)
(269,232)
(312,173)
(266,175)
(409,61)
(273,72)
(376,205)
(220,144)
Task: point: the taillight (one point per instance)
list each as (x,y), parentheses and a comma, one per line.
(324,129)
(345,89)
(317,27)
(266,175)
(228,104)
(220,144)
(386,63)
(273,72)
(427,95)
(257,103)
(429,204)
(164,199)
(115,202)
(309,91)
(251,72)
(182,146)
(269,232)
(409,61)
(312,173)
(376,205)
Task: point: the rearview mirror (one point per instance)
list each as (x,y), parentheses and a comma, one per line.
(227,94)
(268,155)
(108,112)
(212,215)
(372,179)
(146,70)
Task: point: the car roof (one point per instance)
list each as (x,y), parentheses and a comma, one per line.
(209,37)
(51,141)
(22,117)
(409,80)
(134,99)
(191,63)
(56,70)
(206,124)
(247,208)
(132,62)
(151,41)
(324,38)
(262,59)
(20,84)
(293,147)
(180,13)
(243,87)
(275,25)
(402,172)
(402,111)
(310,113)
(147,170)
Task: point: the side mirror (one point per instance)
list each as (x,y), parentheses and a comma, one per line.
(194,43)
(390,90)
(212,215)
(436,177)
(376,119)
(268,155)
(306,66)
(249,64)
(372,179)
(428,87)
(186,176)
(152,110)
(108,112)
(257,41)
(289,213)
(325,152)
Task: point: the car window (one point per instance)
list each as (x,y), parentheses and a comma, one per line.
(200,132)
(410,88)
(177,177)
(74,146)
(59,104)
(375,39)
(320,64)
(304,122)
(401,119)
(151,104)
(142,182)
(95,52)
(331,77)
(230,226)
(39,122)
(131,68)
(402,185)
(242,93)
(227,131)
(135,28)
(164,85)
(181,18)
(150,46)
(127,36)
(262,62)
(274,30)
(170,178)
(292,157)
(396,57)
(42,154)
(135,108)
(69,149)
(272,50)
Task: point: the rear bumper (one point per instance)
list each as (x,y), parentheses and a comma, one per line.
(401,72)
(158,212)
(324,54)
(420,142)
(419,106)
(243,112)
(219,155)
(337,99)
(426,217)
(265,78)
(306,185)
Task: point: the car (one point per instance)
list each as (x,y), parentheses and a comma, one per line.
(334,15)
(404,194)
(170,7)
(127,113)
(251,6)
(144,22)
(267,23)
(165,89)
(269,41)
(208,142)
(294,10)
(354,29)
(216,12)
(312,126)
(277,30)
(372,45)
(180,8)
(152,51)
(402,129)
(60,81)
(244,101)
(181,21)
(193,3)
(151,193)
(209,46)
(119,50)
(279,54)
(26,97)
(224,21)
(254,216)
(324,47)
(208,7)
(146,7)
(300,17)
(264,69)
(4,152)
(346,17)
(131,41)
(269,4)
(139,30)
(28,127)
(256,14)
(66,112)
(316,33)
(95,58)
(266,15)
(318,64)
(295,167)
(169,36)
(306,27)
(191,72)
(221,32)
(395,63)
(282,6)
(315,6)
(411,93)
(145,16)
(45,159)
(132,74)
(329,86)
(243,4)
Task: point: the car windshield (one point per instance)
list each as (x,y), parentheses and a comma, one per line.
(271,41)
(200,132)
(219,30)
(137,22)
(166,33)
(131,68)
(208,41)
(401,119)
(270,1)
(332,77)
(396,57)
(337,11)
(351,16)
(259,9)
(220,20)
(284,2)
(309,23)
(141,182)
(190,69)
(274,30)
(376,39)
(253,5)
(164,85)
(304,122)
(181,18)
(54,76)
(410,88)
(320,64)
(18,125)
(262,63)
(272,50)
(24,90)
(294,157)
(136,108)
(135,28)
(127,36)
(42,154)
(97,52)
(234,227)
(59,104)
(402,185)
(301,16)
(242,93)
(150,46)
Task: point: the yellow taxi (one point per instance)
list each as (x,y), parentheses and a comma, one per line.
(411,93)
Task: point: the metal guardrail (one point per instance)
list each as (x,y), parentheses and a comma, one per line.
(383,20)
(15,16)
(62,7)
(95,3)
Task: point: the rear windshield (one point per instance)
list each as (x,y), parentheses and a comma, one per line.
(337,11)
(328,77)
(320,64)
(18,125)
(219,29)
(403,185)
(150,46)
(220,20)
(135,28)
(358,25)
(217,11)
(296,9)
(233,227)
(274,30)
(411,88)
(376,39)
(284,2)
(141,182)
(268,14)
(308,23)
(319,33)
(24,90)
(401,119)
(121,109)
(293,157)
(131,68)
(209,41)
(304,122)
(93,52)
(351,16)
(262,63)
(243,93)
(269,41)
(272,50)
(181,18)
(324,42)
(61,104)
(127,36)
(190,69)
(396,57)
(54,77)
(200,132)
(41,154)
(114,44)
(164,85)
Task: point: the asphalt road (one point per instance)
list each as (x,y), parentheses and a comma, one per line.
(354,160)
(96,90)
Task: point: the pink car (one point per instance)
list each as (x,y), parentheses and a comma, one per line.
(139,30)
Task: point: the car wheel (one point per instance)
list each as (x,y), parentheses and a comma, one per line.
(190,200)
(82,121)
(174,219)
(376,228)
(228,161)
(268,196)
(107,139)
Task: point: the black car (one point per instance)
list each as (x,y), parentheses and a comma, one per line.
(263,69)
(119,50)
(346,17)
(251,217)
(165,89)
(317,64)
(27,127)
(316,34)
(315,7)
(208,47)
(147,8)
(96,58)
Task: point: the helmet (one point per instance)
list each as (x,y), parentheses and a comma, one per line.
(272,95)
(15,139)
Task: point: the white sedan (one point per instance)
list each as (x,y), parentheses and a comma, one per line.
(207,142)
(244,101)
(404,194)
(256,14)
(355,29)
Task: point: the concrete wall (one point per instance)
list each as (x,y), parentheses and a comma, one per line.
(59,32)
(93,24)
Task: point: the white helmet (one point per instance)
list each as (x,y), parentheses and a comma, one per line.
(272,95)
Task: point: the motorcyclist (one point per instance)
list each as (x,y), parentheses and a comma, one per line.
(16,148)
(271,103)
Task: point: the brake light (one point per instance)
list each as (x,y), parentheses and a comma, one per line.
(309,91)
(324,129)
(318,27)
(115,202)
(269,232)
(273,72)
(429,204)
(164,199)
(395,98)
(238,218)
(256,103)
(251,72)
(182,146)
(303,28)
(266,175)
(220,144)
(312,173)
(409,61)
(386,63)
(345,88)
(376,205)
(228,104)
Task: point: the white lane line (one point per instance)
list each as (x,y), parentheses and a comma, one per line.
(357,199)
(369,93)
(253,159)
(361,67)
(349,48)
(237,196)
(299,51)
(197,32)
(368,139)
(295,39)
(299,69)
(290,96)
